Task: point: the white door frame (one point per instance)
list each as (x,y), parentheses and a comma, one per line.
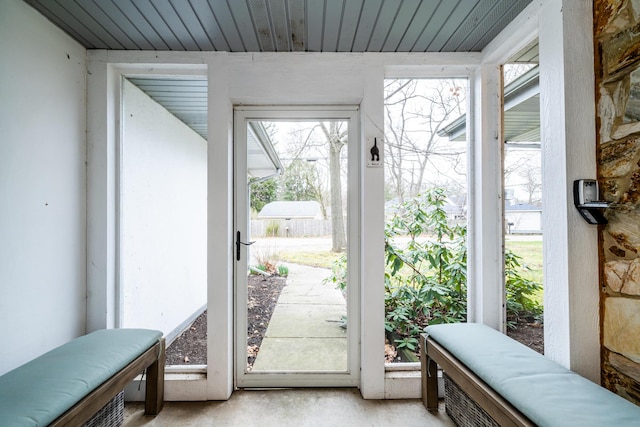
(297,379)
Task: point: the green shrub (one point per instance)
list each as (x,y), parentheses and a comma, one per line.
(283,270)
(520,291)
(339,273)
(426,280)
(261,267)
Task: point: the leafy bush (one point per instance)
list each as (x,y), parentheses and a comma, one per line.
(426,279)
(425,282)
(339,273)
(519,291)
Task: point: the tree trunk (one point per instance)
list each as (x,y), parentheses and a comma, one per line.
(336,142)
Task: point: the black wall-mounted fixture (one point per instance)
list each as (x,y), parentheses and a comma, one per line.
(586,197)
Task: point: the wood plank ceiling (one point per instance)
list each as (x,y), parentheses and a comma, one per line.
(283,25)
(273,26)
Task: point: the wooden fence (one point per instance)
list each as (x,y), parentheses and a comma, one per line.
(290,227)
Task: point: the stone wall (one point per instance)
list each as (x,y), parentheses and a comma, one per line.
(617,71)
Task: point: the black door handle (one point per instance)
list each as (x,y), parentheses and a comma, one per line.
(238,243)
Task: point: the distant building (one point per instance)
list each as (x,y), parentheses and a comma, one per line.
(523,219)
(309,209)
(454,206)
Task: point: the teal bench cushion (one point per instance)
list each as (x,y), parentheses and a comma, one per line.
(547,393)
(38,392)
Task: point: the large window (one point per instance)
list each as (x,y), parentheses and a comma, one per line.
(425,210)
(522,177)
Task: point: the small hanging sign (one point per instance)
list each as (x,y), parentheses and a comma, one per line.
(374,152)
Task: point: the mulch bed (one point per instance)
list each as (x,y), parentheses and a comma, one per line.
(190,348)
(263,296)
(528,333)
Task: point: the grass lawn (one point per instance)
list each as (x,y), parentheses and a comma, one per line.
(529,251)
(531,254)
(312,258)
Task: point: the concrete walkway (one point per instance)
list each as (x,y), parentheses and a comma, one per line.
(305,332)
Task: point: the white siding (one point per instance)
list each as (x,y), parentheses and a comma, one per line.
(163,214)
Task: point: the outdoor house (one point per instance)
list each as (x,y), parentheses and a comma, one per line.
(521,130)
(118,203)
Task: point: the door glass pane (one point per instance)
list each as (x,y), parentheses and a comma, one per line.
(296,312)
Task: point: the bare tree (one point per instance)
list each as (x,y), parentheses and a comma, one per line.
(522,169)
(512,71)
(532,176)
(322,144)
(336,139)
(415,111)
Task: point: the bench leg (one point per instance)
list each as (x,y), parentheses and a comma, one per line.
(429,377)
(154,395)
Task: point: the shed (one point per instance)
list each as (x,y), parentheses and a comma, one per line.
(283,209)
(523,219)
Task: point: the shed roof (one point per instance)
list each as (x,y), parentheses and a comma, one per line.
(522,207)
(291,209)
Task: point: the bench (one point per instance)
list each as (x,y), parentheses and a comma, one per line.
(511,384)
(69,384)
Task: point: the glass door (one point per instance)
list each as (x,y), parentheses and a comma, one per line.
(296,205)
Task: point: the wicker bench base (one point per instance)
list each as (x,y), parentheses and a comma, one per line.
(462,409)
(549,394)
(476,390)
(111,414)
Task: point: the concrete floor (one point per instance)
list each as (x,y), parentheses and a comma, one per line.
(291,407)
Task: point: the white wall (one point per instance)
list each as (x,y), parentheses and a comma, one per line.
(42,186)
(570,246)
(163,216)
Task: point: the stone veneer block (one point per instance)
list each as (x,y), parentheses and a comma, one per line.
(614,274)
(635,9)
(617,159)
(607,113)
(605,12)
(623,276)
(624,366)
(622,327)
(621,49)
(626,229)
